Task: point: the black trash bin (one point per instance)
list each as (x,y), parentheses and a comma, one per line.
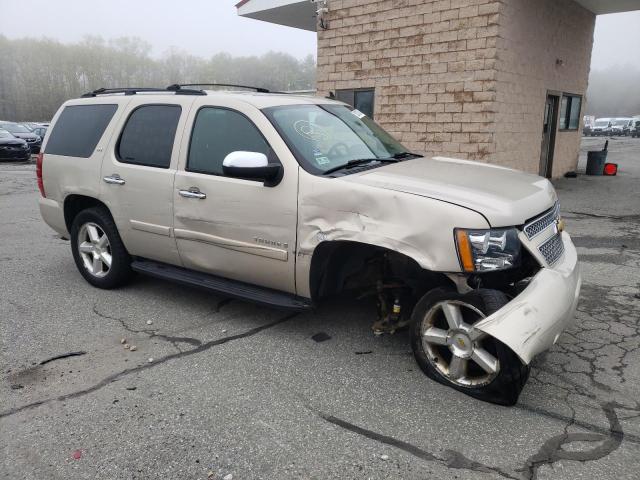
(596,160)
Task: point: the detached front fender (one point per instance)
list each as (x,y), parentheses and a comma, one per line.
(533,321)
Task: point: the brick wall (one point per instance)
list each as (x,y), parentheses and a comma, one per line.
(432,64)
(533,35)
(463,78)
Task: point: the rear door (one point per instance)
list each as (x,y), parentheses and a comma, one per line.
(138,172)
(235,228)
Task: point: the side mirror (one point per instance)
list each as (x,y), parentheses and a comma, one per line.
(253,165)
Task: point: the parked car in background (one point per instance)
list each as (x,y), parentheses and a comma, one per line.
(621,126)
(40,131)
(13,148)
(286,200)
(602,126)
(20,131)
(635,129)
(30,125)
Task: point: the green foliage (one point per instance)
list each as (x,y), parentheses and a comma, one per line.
(37,75)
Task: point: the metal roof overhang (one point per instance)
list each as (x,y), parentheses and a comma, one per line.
(292,13)
(600,7)
(302,13)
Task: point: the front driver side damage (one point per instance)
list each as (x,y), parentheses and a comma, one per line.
(418,227)
(534,319)
(422,228)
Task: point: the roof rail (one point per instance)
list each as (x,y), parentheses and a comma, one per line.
(178,87)
(135,90)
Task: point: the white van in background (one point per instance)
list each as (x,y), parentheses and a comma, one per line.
(602,126)
(621,126)
(635,127)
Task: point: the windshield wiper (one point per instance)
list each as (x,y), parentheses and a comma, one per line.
(403,155)
(358,161)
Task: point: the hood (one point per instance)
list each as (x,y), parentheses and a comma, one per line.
(505,197)
(26,136)
(12,141)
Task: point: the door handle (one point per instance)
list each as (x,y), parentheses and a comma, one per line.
(193,192)
(113,179)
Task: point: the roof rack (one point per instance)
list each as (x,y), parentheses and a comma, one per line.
(135,90)
(178,87)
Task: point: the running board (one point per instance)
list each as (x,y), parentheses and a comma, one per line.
(223,286)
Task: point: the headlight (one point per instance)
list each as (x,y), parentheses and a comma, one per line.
(487,250)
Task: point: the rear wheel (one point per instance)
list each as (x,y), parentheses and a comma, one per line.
(98,250)
(450,351)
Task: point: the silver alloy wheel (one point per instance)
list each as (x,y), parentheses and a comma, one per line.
(454,348)
(95,249)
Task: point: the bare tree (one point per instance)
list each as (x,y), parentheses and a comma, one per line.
(37,75)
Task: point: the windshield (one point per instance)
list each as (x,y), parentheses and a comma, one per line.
(15,128)
(601,123)
(5,134)
(621,123)
(326,137)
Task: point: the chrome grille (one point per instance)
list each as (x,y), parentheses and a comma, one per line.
(552,249)
(536,226)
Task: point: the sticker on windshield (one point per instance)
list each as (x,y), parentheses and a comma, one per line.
(322,160)
(358,113)
(309,130)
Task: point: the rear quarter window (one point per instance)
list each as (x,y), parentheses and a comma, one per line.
(79,129)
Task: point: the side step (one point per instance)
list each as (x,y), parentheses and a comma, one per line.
(223,286)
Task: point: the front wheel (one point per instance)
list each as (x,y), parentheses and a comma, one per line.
(450,351)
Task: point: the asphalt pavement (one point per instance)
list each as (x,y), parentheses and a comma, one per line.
(219,388)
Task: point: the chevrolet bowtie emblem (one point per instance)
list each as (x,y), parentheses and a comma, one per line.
(560,224)
(461,342)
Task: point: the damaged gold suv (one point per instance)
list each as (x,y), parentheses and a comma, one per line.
(285,200)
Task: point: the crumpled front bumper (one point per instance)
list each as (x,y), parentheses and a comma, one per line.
(532,322)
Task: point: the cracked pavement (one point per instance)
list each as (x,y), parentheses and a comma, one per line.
(237,388)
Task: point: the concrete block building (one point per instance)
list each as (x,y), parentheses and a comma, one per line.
(498,81)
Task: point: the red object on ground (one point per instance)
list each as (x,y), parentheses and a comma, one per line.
(77,454)
(610,169)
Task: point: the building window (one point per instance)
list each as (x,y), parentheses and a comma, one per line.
(360,99)
(570,112)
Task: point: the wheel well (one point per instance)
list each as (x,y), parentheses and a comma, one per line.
(74,204)
(337,266)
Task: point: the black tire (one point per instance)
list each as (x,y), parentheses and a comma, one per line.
(505,387)
(119,273)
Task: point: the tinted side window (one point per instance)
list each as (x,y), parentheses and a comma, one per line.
(218,132)
(147,138)
(79,129)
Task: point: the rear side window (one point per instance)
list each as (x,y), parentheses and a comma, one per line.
(216,133)
(147,138)
(79,129)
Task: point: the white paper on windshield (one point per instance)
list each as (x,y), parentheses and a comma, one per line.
(358,113)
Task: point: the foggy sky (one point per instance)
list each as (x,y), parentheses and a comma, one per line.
(206,27)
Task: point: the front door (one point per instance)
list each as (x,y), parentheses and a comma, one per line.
(548,135)
(232,227)
(138,172)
